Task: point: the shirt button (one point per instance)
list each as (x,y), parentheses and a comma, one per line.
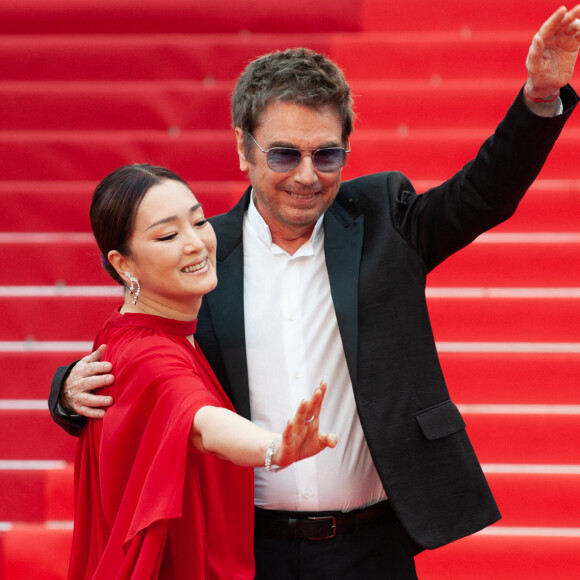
(297,375)
(292,317)
(307,494)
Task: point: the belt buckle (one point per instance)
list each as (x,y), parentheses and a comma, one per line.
(333,526)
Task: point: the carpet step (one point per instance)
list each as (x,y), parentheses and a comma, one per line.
(537,500)
(532,438)
(74,260)
(27,375)
(63,206)
(530,500)
(467,319)
(501,261)
(194,57)
(183,16)
(37,495)
(500,557)
(504,378)
(30,552)
(177,16)
(479,557)
(525,378)
(45,319)
(505,319)
(196,105)
(90,155)
(39,438)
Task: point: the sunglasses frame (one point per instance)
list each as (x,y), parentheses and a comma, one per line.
(312,155)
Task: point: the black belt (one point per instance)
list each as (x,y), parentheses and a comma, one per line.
(319,525)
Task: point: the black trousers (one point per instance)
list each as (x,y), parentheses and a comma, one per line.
(383,551)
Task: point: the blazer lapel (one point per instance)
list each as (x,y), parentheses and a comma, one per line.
(226,304)
(343,248)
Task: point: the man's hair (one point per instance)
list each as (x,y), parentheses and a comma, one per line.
(299,76)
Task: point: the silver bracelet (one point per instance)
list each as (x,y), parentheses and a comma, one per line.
(270,452)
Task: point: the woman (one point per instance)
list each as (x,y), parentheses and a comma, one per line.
(163,484)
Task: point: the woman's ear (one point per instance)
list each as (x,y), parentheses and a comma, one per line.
(119,262)
(244,166)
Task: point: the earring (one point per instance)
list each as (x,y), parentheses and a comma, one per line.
(134,292)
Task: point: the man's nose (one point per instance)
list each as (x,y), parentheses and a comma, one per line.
(306,171)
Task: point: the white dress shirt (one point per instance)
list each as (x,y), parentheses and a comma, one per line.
(293,343)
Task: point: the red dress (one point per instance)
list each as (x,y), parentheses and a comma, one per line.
(147,504)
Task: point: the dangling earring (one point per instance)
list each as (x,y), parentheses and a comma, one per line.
(134,292)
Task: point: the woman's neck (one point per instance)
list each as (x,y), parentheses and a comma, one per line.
(186,311)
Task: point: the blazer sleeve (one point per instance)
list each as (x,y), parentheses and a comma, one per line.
(487,190)
(72,424)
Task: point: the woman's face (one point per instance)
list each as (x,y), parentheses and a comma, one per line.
(172,248)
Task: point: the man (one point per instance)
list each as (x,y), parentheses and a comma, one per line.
(323,280)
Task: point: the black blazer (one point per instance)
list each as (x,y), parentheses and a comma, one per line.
(381,240)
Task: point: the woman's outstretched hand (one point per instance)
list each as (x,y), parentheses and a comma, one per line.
(301,437)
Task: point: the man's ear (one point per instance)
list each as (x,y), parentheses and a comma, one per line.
(244,165)
(119,262)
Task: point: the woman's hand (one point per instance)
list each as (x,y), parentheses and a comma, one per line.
(301,437)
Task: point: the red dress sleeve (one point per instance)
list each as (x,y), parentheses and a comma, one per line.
(131,466)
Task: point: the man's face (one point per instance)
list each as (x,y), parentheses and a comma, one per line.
(292,202)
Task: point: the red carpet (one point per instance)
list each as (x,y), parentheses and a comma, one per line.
(84,90)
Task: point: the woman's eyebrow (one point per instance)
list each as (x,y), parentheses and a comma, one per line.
(172,218)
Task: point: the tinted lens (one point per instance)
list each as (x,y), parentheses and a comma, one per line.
(283,159)
(329,160)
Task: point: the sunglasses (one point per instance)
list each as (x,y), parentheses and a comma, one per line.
(285,159)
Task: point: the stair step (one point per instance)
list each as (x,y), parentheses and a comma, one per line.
(530,378)
(74,259)
(30,552)
(496,262)
(497,438)
(454,320)
(495,378)
(501,557)
(182,16)
(197,105)
(70,319)
(63,206)
(524,438)
(27,375)
(479,319)
(39,438)
(37,495)
(194,57)
(505,320)
(534,500)
(89,155)
(480,557)
(177,16)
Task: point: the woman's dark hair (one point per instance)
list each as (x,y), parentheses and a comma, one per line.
(114,207)
(297,75)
